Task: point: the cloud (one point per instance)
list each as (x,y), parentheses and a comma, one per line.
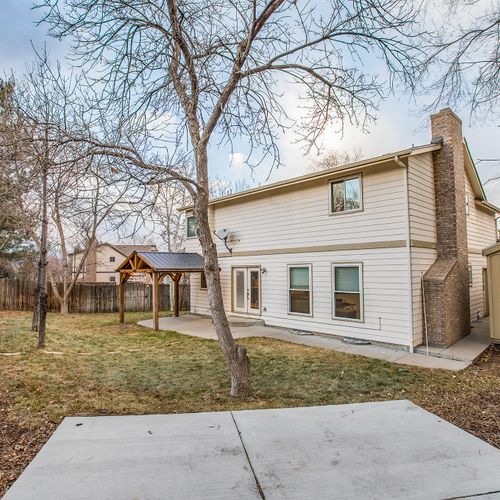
(237,159)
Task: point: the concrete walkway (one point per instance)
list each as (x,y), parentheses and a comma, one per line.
(454,358)
(379,450)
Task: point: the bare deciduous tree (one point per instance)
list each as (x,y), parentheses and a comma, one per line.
(222,187)
(72,193)
(14,179)
(215,70)
(334,158)
(465,57)
(167,198)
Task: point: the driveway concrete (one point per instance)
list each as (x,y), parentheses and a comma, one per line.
(379,450)
(454,358)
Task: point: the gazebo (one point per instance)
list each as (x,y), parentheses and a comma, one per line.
(158,265)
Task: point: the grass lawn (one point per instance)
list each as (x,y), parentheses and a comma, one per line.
(92,365)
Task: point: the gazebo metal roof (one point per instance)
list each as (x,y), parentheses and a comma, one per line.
(158,265)
(163,262)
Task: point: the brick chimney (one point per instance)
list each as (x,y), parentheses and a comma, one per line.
(446,283)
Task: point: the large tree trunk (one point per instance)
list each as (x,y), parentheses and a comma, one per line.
(42,278)
(64,306)
(44,305)
(235,355)
(36,309)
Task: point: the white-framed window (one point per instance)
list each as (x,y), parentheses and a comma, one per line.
(112,279)
(300,289)
(203,281)
(347,284)
(111,259)
(191,227)
(470,275)
(346,195)
(467,204)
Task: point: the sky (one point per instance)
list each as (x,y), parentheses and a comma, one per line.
(400,122)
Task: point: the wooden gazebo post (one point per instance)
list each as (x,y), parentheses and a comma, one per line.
(156,301)
(121,296)
(176,278)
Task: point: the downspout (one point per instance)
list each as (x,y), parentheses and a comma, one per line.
(408,249)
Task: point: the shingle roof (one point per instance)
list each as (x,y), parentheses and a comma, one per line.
(128,249)
(340,169)
(172,261)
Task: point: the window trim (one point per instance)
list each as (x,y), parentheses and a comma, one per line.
(361,292)
(330,194)
(202,274)
(291,313)
(187,227)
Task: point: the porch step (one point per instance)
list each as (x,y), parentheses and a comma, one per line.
(237,321)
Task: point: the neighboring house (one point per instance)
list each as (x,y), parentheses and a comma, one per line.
(345,251)
(102,261)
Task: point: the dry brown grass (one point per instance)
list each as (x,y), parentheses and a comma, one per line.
(108,368)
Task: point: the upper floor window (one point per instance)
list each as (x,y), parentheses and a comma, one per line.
(191,227)
(345,195)
(111,259)
(467,204)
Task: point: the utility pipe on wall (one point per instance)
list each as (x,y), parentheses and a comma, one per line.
(408,249)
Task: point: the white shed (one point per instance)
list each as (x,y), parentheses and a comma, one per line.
(493,286)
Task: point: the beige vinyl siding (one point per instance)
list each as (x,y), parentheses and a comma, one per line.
(480,235)
(476,291)
(422,259)
(385,288)
(422,208)
(301,217)
(421,197)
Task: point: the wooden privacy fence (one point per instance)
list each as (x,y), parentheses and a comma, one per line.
(90,297)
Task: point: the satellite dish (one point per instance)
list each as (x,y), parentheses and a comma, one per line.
(222,233)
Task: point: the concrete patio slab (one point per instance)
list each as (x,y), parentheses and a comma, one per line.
(378,450)
(374,450)
(433,362)
(199,326)
(140,457)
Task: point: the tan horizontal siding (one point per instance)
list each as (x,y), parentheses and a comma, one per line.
(385,288)
(301,217)
(481,233)
(421,197)
(421,260)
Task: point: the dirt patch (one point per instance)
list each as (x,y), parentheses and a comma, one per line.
(475,411)
(18,443)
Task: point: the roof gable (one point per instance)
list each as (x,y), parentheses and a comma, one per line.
(163,262)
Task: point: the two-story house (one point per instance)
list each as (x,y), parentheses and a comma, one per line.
(386,249)
(102,261)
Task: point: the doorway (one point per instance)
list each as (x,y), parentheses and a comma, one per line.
(246,290)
